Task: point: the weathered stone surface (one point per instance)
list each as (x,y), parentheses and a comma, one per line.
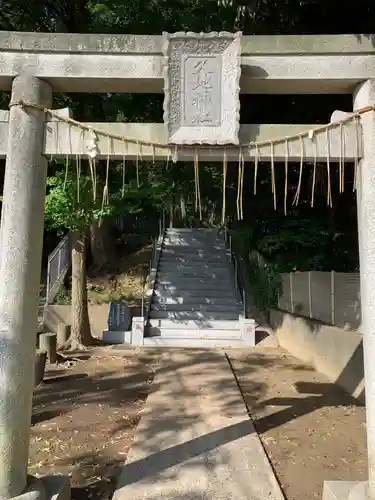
(48,343)
(63,333)
(52,487)
(365,96)
(40,365)
(128,63)
(345,490)
(201,87)
(153,44)
(119,316)
(22,221)
(35,490)
(195,439)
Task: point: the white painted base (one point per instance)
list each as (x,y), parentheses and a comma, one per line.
(248,331)
(345,490)
(195,342)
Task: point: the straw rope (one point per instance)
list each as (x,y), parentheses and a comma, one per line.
(172,151)
(139,142)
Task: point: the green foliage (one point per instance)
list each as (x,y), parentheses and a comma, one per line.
(71,202)
(264,277)
(306,238)
(298,245)
(63,297)
(265,283)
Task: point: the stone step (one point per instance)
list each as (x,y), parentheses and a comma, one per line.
(194,258)
(194,248)
(192,229)
(203,308)
(194,300)
(195,293)
(195,266)
(205,240)
(226,276)
(195,315)
(204,333)
(170,240)
(178,276)
(194,343)
(210,289)
(194,324)
(190,285)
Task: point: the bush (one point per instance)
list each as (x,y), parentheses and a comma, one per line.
(265,283)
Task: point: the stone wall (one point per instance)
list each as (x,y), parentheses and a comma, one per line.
(98,315)
(332,351)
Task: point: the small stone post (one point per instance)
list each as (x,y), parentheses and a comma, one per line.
(365,96)
(138,326)
(22,222)
(63,333)
(48,343)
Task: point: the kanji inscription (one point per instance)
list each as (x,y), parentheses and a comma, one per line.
(201,87)
(202,103)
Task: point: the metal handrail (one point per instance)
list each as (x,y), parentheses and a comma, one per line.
(152,262)
(237,280)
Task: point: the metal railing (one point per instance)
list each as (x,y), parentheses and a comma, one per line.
(59,261)
(237,277)
(153,264)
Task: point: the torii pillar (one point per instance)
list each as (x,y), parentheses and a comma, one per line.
(364,96)
(22,222)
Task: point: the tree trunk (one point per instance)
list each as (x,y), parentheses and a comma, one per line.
(171,215)
(102,249)
(80,333)
(183,207)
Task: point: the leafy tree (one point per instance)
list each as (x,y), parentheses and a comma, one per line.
(72,203)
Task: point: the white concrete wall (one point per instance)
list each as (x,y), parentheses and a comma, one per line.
(335,352)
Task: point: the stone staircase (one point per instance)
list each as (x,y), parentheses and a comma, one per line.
(194,301)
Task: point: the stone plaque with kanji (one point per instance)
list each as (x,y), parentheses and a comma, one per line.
(201,87)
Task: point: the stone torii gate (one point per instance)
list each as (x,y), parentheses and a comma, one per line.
(196,73)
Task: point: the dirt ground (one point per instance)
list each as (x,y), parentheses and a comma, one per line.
(85,415)
(124,280)
(84,418)
(311,430)
(127,280)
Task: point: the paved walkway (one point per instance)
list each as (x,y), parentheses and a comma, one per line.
(195,439)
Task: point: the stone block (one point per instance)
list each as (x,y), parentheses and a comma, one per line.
(112,337)
(63,333)
(138,327)
(119,316)
(40,366)
(345,490)
(52,487)
(248,331)
(201,87)
(48,343)
(57,487)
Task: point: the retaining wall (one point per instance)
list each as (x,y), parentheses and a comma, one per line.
(332,351)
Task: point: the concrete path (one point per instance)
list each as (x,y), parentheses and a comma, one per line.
(195,439)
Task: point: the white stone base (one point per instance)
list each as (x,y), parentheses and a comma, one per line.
(133,337)
(248,331)
(345,490)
